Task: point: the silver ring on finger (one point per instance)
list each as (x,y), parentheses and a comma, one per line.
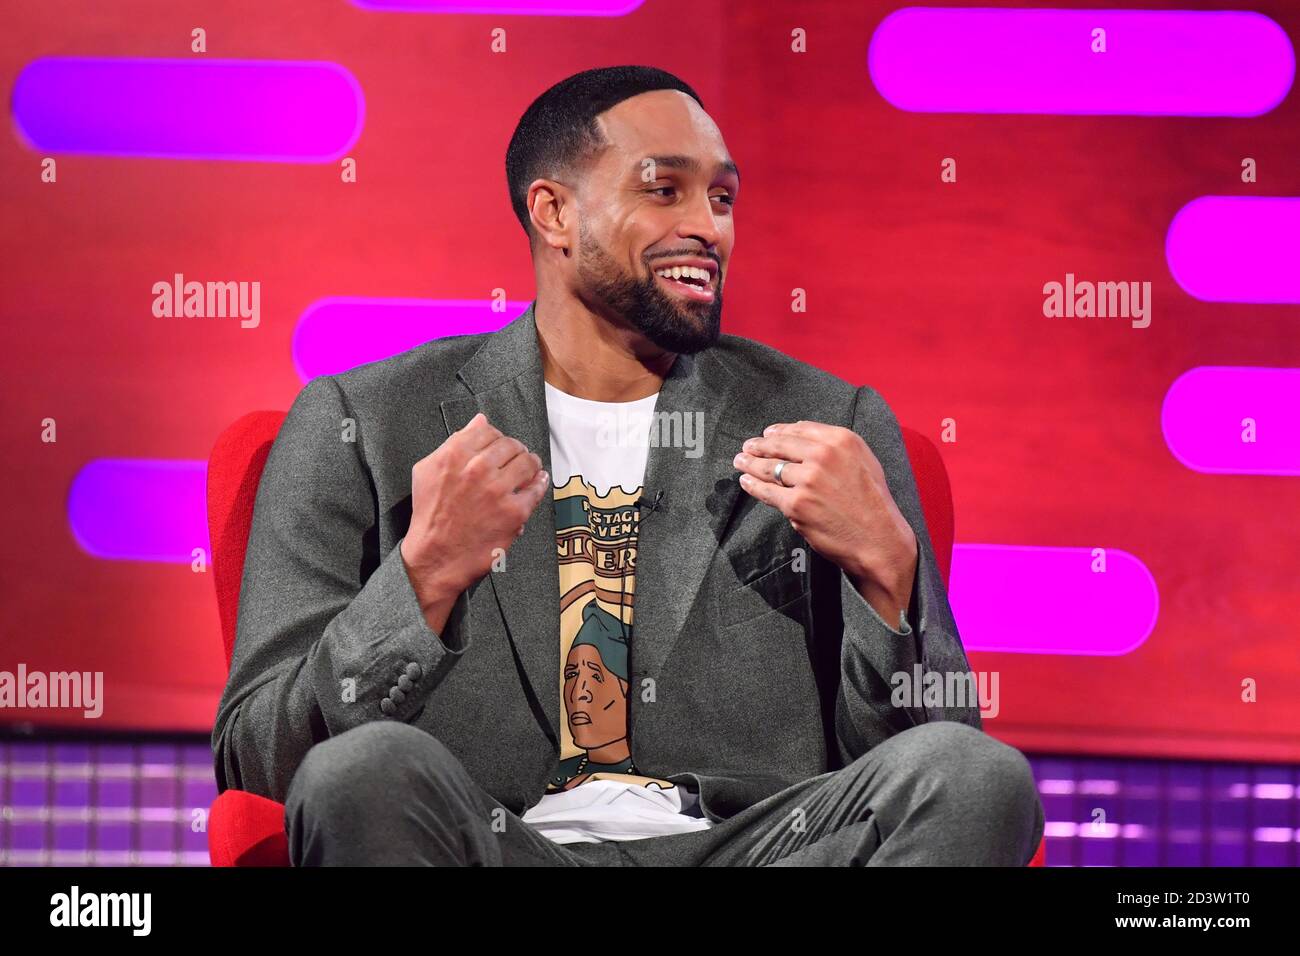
(776,473)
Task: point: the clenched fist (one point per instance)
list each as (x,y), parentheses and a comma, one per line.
(472,495)
(834,492)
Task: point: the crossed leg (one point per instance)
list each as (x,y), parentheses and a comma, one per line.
(942,794)
(389,794)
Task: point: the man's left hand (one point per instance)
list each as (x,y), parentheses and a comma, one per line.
(834,493)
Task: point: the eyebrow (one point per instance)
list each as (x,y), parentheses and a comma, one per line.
(691,164)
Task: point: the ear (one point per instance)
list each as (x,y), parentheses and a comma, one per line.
(551,211)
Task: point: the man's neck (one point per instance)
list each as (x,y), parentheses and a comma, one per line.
(590,357)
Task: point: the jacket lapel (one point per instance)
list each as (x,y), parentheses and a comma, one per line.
(505,377)
(677,541)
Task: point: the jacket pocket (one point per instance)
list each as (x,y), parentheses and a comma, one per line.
(773,590)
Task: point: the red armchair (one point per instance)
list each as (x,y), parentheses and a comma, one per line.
(245,829)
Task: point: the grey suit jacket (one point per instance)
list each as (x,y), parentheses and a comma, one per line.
(754,662)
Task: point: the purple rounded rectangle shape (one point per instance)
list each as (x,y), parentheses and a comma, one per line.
(140,509)
(336,334)
(1033,600)
(1157,62)
(554,8)
(1237,249)
(1202,416)
(263,110)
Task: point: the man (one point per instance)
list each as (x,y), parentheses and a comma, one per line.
(436,623)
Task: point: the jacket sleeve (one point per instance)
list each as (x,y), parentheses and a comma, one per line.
(878,660)
(330,633)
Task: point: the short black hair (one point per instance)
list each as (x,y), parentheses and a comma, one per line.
(558,132)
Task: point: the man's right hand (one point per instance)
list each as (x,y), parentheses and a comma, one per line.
(471,496)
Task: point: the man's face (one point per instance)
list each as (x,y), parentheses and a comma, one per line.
(659,196)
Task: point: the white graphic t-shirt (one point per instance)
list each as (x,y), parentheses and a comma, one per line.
(599,452)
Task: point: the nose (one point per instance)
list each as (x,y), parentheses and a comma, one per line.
(700,223)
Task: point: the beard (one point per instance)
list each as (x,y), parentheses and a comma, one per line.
(674,324)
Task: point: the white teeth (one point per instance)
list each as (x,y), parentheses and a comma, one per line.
(689,272)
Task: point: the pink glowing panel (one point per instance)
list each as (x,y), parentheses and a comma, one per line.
(1050,600)
(140,509)
(1156,62)
(1234,421)
(1237,248)
(337,334)
(561,8)
(267,110)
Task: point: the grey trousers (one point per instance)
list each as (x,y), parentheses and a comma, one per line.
(943,793)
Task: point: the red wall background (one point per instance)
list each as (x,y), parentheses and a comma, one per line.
(930,292)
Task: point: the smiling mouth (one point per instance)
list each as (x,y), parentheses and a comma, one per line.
(693,287)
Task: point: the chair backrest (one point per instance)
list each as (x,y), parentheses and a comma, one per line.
(936,495)
(239,455)
(234,470)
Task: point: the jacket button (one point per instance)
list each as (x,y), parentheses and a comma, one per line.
(404,682)
(396,695)
(414,671)
(387,706)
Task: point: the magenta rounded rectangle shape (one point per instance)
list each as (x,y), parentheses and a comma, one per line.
(336,334)
(1237,249)
(1038,600)
(1156,62)
(262,110)
(140,509)
(1233,420)
(554,8)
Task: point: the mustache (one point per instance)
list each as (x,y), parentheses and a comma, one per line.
(695,253)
